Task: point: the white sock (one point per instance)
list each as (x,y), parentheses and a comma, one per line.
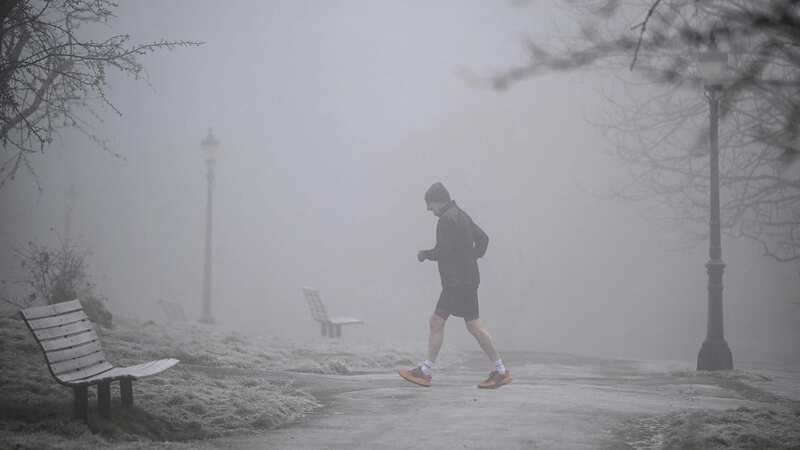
(427,367)
(499,367)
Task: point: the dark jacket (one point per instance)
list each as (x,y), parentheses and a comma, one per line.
(459,243)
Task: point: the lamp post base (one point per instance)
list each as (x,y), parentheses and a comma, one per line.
(715,355)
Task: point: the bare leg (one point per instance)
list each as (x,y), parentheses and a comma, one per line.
(436,337)
(478,329)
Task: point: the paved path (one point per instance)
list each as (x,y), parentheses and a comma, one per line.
(555,402)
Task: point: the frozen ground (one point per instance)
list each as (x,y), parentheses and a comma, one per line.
(555,402)
(248,392)
(226,383)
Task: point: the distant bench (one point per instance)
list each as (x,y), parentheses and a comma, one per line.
(173,311)
(76,359)
(331,326)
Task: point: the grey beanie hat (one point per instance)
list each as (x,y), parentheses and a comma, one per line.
(437,193)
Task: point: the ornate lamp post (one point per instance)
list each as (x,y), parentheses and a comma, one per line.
(715,353)
(210,147)
(70,199)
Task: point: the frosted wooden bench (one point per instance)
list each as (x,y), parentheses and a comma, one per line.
(75,358)
(331,326)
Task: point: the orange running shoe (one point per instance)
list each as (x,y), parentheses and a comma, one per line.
(416,376)
(496,380)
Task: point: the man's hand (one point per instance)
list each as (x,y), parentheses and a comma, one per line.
(422,255)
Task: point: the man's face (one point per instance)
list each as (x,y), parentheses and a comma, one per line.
(435,207)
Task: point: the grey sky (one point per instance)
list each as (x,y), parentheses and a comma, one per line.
(334,117)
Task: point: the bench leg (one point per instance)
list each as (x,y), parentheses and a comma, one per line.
(104,399)
(324,328)
(126,392)
(81,404)
(338,331)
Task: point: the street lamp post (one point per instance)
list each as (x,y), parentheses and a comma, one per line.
(715,353)
(70,197)
(210,146)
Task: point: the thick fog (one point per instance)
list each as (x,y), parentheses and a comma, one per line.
(334,118)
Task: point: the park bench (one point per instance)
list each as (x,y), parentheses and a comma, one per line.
(330,326)
(75,358)
(172,310)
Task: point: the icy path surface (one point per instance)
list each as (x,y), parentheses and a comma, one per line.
(556,401)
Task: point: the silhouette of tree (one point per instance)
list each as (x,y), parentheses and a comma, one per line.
(52,76)
(659,128)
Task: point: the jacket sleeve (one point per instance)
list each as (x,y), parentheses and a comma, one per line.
(481,240)
(445,240)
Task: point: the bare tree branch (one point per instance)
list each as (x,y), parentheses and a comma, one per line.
(659,128)
(53,78)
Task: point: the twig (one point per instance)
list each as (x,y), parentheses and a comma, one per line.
(641,34)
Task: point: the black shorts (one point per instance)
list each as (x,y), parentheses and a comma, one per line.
(460,301)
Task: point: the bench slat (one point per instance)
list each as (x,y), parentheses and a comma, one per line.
(62,342)
(144,369)
(51,310)
(345,320)
(64,330)
(93,371)
(54,321)
(318,311)
(137,371)
(78,363)
(73,352)
(150,368)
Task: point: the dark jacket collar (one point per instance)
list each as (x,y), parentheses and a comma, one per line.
(447,206)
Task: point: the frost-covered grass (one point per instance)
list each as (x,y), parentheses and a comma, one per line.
(774,428)
(222,386)
(773,422)
(201,345)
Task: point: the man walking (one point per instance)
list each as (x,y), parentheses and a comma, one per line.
(459,243)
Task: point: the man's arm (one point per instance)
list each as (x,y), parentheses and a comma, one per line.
(481,240)
(445,240)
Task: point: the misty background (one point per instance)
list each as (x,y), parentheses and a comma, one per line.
(334,117)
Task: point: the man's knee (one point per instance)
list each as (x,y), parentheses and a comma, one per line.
(475,327)
(436,323)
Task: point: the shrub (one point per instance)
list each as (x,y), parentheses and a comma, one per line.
(60,275)
(96,310)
